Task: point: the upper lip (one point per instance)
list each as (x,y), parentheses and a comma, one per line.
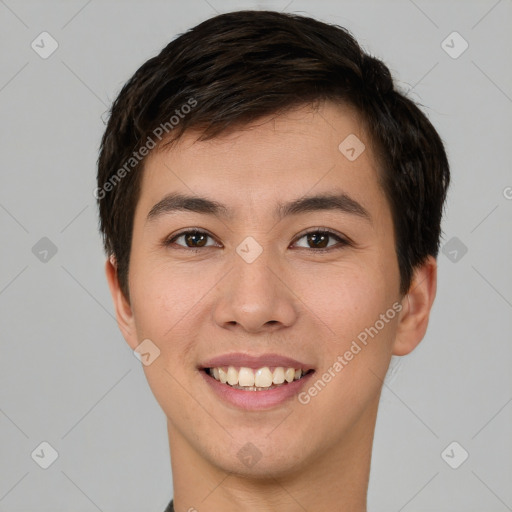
(254,362)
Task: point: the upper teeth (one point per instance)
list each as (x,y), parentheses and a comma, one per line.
(261,378)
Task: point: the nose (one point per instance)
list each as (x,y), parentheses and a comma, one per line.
(256,296)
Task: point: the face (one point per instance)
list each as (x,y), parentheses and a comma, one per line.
(269,282)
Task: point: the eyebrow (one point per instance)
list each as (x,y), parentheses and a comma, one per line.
(341,202)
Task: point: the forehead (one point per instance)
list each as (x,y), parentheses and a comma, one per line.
(306,129)
(304,150)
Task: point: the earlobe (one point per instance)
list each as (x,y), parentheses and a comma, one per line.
(416,306)
(124,314)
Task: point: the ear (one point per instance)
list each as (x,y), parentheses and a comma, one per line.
(416,306)
(124,314)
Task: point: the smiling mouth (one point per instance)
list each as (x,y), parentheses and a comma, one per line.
(261,379)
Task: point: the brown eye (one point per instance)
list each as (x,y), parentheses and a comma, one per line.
(193,239)
(319,240)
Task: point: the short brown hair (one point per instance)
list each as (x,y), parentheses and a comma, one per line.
(235,68)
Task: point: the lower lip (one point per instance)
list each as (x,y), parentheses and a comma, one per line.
(256,400)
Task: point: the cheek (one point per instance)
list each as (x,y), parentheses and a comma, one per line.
(165,305)
(346,298)
(351,302)
(163,296)
(359,309)
(172,306)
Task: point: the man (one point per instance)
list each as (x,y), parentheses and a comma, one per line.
(271,209)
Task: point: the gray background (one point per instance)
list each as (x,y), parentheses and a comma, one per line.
(67,375)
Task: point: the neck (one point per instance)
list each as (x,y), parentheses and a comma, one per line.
(334,480)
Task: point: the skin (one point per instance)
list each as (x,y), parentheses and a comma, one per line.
(291,300)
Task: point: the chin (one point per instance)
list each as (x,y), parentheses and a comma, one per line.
(260,457)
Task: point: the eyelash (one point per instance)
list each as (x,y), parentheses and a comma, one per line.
(342,242)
